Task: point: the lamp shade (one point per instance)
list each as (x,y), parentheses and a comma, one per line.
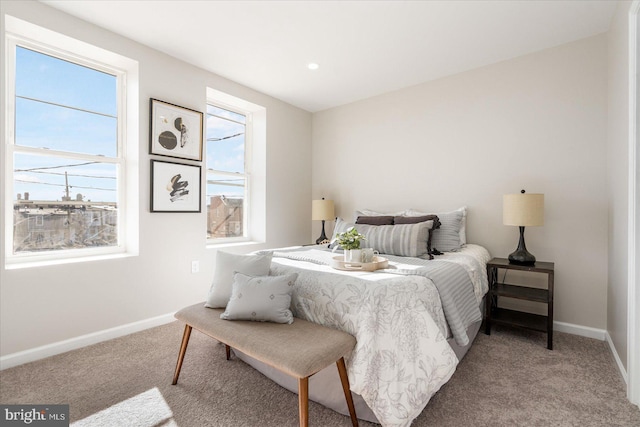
(524,210)
(322,210)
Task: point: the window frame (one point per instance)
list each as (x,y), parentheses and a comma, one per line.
(29,36)
(248,143)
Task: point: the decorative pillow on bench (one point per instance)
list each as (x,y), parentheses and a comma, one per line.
(261,298)
(226,265)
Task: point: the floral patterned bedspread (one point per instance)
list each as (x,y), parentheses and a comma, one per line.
(402,356)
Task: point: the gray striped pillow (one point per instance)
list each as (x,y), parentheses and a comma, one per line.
(401,239)
(447,238)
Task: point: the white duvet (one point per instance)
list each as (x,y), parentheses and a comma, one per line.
(402,356)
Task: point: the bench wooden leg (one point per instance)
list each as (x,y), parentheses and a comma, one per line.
(303,401)
(228,350)
(342,369)
(183,350)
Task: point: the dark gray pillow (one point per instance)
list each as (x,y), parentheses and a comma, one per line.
(375,220)
(417,219)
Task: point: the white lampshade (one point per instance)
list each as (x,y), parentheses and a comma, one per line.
(322,210)
(524,209)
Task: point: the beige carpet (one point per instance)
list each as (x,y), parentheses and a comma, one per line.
(507,379)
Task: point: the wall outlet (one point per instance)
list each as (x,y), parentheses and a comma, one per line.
(195,266)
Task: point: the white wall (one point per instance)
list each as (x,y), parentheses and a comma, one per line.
(44,305)
(536,122)
(618,178)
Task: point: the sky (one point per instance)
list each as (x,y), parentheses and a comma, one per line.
(225,150)
(67,107)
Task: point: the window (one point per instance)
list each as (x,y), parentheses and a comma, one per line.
(66,152)
(228,179)
(236,152)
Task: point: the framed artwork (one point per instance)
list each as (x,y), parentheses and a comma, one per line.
(175,131)
(175,187)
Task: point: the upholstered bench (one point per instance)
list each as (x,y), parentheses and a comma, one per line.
(299,349)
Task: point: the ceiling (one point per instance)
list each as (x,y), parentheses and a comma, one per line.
(363,48)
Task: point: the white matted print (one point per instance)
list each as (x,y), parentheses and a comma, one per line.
(175,131)
(175,187)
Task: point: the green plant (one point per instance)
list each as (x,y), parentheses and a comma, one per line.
(349,239)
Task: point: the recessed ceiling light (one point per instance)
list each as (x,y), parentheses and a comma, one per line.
(312,66)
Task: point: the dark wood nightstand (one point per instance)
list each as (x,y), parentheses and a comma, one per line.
(503,316)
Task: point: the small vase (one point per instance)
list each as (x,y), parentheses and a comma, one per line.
(353,255)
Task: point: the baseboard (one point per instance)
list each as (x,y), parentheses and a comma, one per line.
(583,331)
(621,368)
(37,353)
(599,334)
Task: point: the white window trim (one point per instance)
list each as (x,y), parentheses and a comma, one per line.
(255,166)
(633,267)
(22,33)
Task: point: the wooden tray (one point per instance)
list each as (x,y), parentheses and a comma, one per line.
(378,263)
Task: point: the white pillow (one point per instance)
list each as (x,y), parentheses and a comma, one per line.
(226,265)
(261,298)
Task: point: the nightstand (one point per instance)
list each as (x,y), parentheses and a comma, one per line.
(503,316)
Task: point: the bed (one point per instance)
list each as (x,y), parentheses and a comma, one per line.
(413,322)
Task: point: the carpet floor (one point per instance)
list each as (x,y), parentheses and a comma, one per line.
(506,379)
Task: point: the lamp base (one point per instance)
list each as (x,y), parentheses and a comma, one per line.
(521,256)
(323,237)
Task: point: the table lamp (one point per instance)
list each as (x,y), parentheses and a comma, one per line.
(523,210)
(322,210)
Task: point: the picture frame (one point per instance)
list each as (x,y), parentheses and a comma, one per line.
(175,187)
(175,131)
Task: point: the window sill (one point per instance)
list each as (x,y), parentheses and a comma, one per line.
(232,244)
(20,264)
